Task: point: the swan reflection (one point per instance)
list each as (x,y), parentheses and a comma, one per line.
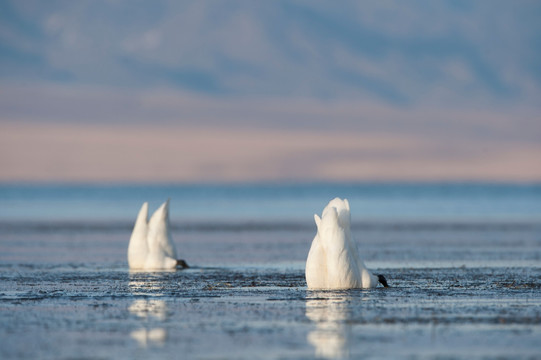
(144,336)
(149,310)
(145,283)
(329,311)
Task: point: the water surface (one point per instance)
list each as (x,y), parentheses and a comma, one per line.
(463,262)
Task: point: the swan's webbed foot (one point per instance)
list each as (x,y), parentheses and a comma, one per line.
(182,264)
(383,281)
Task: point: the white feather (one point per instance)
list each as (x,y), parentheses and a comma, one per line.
(138,247)
(151,245)
(333,261)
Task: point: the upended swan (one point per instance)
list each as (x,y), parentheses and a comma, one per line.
(151,246)
(333,261)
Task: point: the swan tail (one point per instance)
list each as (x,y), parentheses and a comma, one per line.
(159,232)
(161,214)
(138,247)
(142,218)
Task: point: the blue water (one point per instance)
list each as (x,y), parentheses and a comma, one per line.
(463,262)
(273,202)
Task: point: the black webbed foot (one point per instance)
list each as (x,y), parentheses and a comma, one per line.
(383,281)
(182,264)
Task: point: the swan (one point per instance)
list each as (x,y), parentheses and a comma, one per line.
(151,245)
(333,260)
(138,246)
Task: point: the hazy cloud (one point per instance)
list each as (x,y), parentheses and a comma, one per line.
(386,50)
(463,74)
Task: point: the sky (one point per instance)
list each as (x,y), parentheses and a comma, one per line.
(233,91)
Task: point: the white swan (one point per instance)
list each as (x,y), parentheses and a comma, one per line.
(151,245)
(138,247)
(333,261)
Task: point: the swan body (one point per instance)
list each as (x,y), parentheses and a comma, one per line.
(138,247)
(151,245)
(333,260)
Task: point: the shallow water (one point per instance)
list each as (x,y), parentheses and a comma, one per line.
(461,287)
(67,293)
(215,313)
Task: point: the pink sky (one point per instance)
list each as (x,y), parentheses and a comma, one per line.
(111,153)
(271,91)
